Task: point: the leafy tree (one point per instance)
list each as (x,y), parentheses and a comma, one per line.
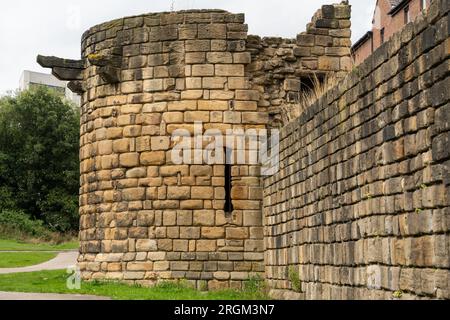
(39,169)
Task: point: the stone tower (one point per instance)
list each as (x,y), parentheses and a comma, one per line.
(145,218)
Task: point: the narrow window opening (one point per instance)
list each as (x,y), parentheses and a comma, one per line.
(382,35)
(407,17)
(228,179)
(423,5)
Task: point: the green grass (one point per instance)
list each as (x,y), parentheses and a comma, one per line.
(55,282)
(24,259)
(13,245)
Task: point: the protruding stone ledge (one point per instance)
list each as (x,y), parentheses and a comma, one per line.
(63,69)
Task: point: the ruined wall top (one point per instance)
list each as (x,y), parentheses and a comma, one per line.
(145,217)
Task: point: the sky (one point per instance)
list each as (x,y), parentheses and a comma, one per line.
(54,27)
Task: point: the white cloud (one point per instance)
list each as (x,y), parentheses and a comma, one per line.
(52,27)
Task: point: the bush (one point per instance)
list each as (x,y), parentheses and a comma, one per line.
(60,210)
(18,225)
(7,200)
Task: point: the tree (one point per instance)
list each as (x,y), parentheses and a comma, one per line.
(39,168)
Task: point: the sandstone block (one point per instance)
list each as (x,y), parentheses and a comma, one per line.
(153,85)
(255,117)
(329,63)
(153,158)
(203,70)
(181,246)
(206,245)
(213,82)
(129,159)
(155,107)
(173,117)
(140,266)
(133,275)
(145,218)
(218,45)
(145,245)
(132,131)
(161,266)
(187,31)
(191,204)
(184,217)
(248,95)
(195,57)
(160,143)
(237,233)
(219,57)
(105,147)
(238,83)
(242,57)
(305,40)
(246,106)
(204,217)
(189,232)
(198,45)
(202,193)
(213,232)
(212,31)
(232,117)
(194,116)
(114,133)
(192,95)
(182,105)
(213,105)
(178,193)
(229,70)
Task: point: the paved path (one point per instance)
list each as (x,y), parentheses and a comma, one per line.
(46,296)
(62,261)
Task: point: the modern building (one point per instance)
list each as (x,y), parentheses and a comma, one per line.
(389,17)
(30,79)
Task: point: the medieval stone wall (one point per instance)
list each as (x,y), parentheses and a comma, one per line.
(360,207)
(144,218)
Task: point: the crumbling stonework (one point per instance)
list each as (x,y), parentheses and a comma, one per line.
(143,218)
(360,207)
(282,68)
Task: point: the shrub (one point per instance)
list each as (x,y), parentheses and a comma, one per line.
(294,278)
(60,211)
(18,225)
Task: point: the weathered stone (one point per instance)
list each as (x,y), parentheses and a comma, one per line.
(152,158)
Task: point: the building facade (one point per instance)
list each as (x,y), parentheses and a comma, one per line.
(30,79)
(389,17)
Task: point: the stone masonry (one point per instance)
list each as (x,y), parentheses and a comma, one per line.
(144,218)
(360,208)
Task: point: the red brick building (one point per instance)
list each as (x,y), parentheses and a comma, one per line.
(389,17)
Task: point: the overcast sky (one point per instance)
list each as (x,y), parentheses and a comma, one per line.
(54,27)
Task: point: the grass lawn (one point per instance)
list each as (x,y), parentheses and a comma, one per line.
(13,245)
(55,282)
(25,259)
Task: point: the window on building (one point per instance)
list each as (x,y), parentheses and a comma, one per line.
(423,4)
(382,35)
(228,208)
(407,15)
